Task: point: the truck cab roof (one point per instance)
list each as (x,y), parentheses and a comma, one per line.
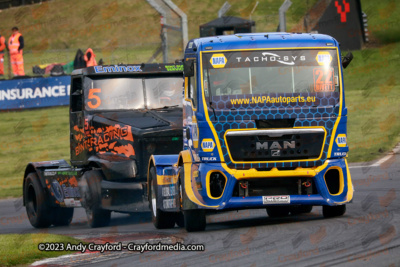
(123,69)
(260,40)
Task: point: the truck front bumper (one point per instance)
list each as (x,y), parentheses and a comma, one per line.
(324,193)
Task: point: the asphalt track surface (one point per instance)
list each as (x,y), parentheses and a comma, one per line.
(367,235)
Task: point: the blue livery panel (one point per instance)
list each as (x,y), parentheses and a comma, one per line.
(267,113)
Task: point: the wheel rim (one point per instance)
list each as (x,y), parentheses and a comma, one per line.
(153,201)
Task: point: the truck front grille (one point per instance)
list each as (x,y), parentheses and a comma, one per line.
(275,144)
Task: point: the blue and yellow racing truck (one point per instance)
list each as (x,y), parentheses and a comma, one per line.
(264,126)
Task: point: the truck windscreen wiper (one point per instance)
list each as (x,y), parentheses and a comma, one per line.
(165,107)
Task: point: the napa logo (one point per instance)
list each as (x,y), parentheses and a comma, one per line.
(324,58)
(218,61)
(207,145)
(341,140)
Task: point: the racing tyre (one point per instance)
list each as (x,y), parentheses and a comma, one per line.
(161,219)
(62,216)
(90,187)
(333,211)
(301,209)
(36,202)
(195,220)
(180,219)
(276,212)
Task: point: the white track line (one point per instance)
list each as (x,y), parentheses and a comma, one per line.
(376,164)
(50,260)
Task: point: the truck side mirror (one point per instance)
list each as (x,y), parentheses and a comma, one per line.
(347,59)
(188,68)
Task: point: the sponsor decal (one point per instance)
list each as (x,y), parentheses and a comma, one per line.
(340,154)
(116,68)
(272,57)
(174,68)
(57,191)
(67,172)
(276,199)
(209,159)
(218,61)
(70,202)
(207,145)
(323,80)
(50,173)
(341,140)
(116,139)
(168,191)
(70,192)
(324,58)
(169,203)
(268,99)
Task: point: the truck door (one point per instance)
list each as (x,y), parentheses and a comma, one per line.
(77,122)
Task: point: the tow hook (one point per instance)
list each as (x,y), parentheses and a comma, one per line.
(243,189)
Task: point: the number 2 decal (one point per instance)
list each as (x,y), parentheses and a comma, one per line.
(96,98)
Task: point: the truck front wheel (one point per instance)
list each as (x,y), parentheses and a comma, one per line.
(195,220)
(278,211)
(333,211)
(90,188)
(180,220)
(161,219)
(296,210)
(37,206)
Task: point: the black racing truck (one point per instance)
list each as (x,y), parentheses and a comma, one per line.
(119,116)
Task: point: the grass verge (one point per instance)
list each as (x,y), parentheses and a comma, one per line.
(373,97)
(21,249)
(26,136)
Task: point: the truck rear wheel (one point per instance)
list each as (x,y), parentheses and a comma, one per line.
(37,206)
(62,216)
(333,211)
(90,187)
(161,219)
(279,211)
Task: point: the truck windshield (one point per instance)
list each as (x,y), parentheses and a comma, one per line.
(273,73)
(132,93)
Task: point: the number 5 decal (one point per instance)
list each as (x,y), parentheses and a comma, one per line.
(97,99)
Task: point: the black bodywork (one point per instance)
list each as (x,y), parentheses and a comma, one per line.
(117,142)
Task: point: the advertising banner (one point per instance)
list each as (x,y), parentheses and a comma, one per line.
(34,92)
